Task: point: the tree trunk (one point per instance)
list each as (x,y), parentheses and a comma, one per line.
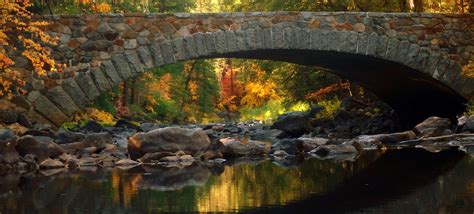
(404,6)
(418,6)
(471,6)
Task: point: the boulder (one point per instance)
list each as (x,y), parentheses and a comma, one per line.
(289,145)
(17,128)
(329,150)
(97,140)
(374,140)
(7,150)
(280,153)
(466,124)
(8,116)
(312,143)
(6,134)
(65,137)
(170,139)
(39,146)
(154,157)
(51,164)
(293,123)
(238,148)
(271,135)
(210,155)
(126,162)
(433,126)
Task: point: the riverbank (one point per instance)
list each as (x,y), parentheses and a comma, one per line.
(356,128)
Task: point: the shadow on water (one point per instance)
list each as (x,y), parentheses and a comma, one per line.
(391,177)
(396,181)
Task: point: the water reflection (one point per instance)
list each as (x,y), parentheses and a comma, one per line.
(403,181)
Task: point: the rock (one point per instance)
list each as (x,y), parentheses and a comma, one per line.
(327,150)
(211,154)
(87,161)
(367,140)
(312,143)
(41,147)
(93,126)
(170,139)
(289,145)
(8,116)
(98,140)
(72,163)
(217,128)
(7,150)
(146,127)
(271,135)
(6,134)
(127,125)
(280,153)
(155,156)
(293,123)
(17,128)
(127,162)
(466,124)
(238,148)
(170,159)
(72,148)
(51,164)
(90,150)
(433,126)
(186,158)
(65,137)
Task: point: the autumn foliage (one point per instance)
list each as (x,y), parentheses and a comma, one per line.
(323,92)
(21,36)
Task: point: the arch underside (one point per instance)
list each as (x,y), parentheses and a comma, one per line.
(414,95)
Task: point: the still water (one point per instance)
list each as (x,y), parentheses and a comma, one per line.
(408,181)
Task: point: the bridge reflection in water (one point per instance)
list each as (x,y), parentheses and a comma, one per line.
(408,181)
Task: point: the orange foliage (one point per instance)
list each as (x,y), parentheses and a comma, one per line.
(19,34)
(101,7)
(257,94)
(321,93)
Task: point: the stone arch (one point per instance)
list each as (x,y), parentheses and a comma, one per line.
(287,41)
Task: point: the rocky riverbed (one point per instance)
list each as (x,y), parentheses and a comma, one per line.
(355,128)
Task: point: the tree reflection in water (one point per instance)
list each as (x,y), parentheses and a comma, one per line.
(398,181)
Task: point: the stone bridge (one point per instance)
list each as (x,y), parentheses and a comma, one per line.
(411,61)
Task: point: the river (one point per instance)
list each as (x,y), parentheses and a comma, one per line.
(400,181)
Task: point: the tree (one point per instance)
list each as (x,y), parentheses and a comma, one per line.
(21,37)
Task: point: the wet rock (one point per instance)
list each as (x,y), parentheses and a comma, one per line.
(73,148)
(393,138)
(211,154)
(169,159)
(271,135)
(289,145)
(312,143)
(170,139)
(186,158)
(41,147)
(90,150)
(65,137)
(98,140)
(327,150)
(433,126)
(154,157)
(293,123)
(86,162)
(238,148)
(51,164)
(280,153)
(127,162)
